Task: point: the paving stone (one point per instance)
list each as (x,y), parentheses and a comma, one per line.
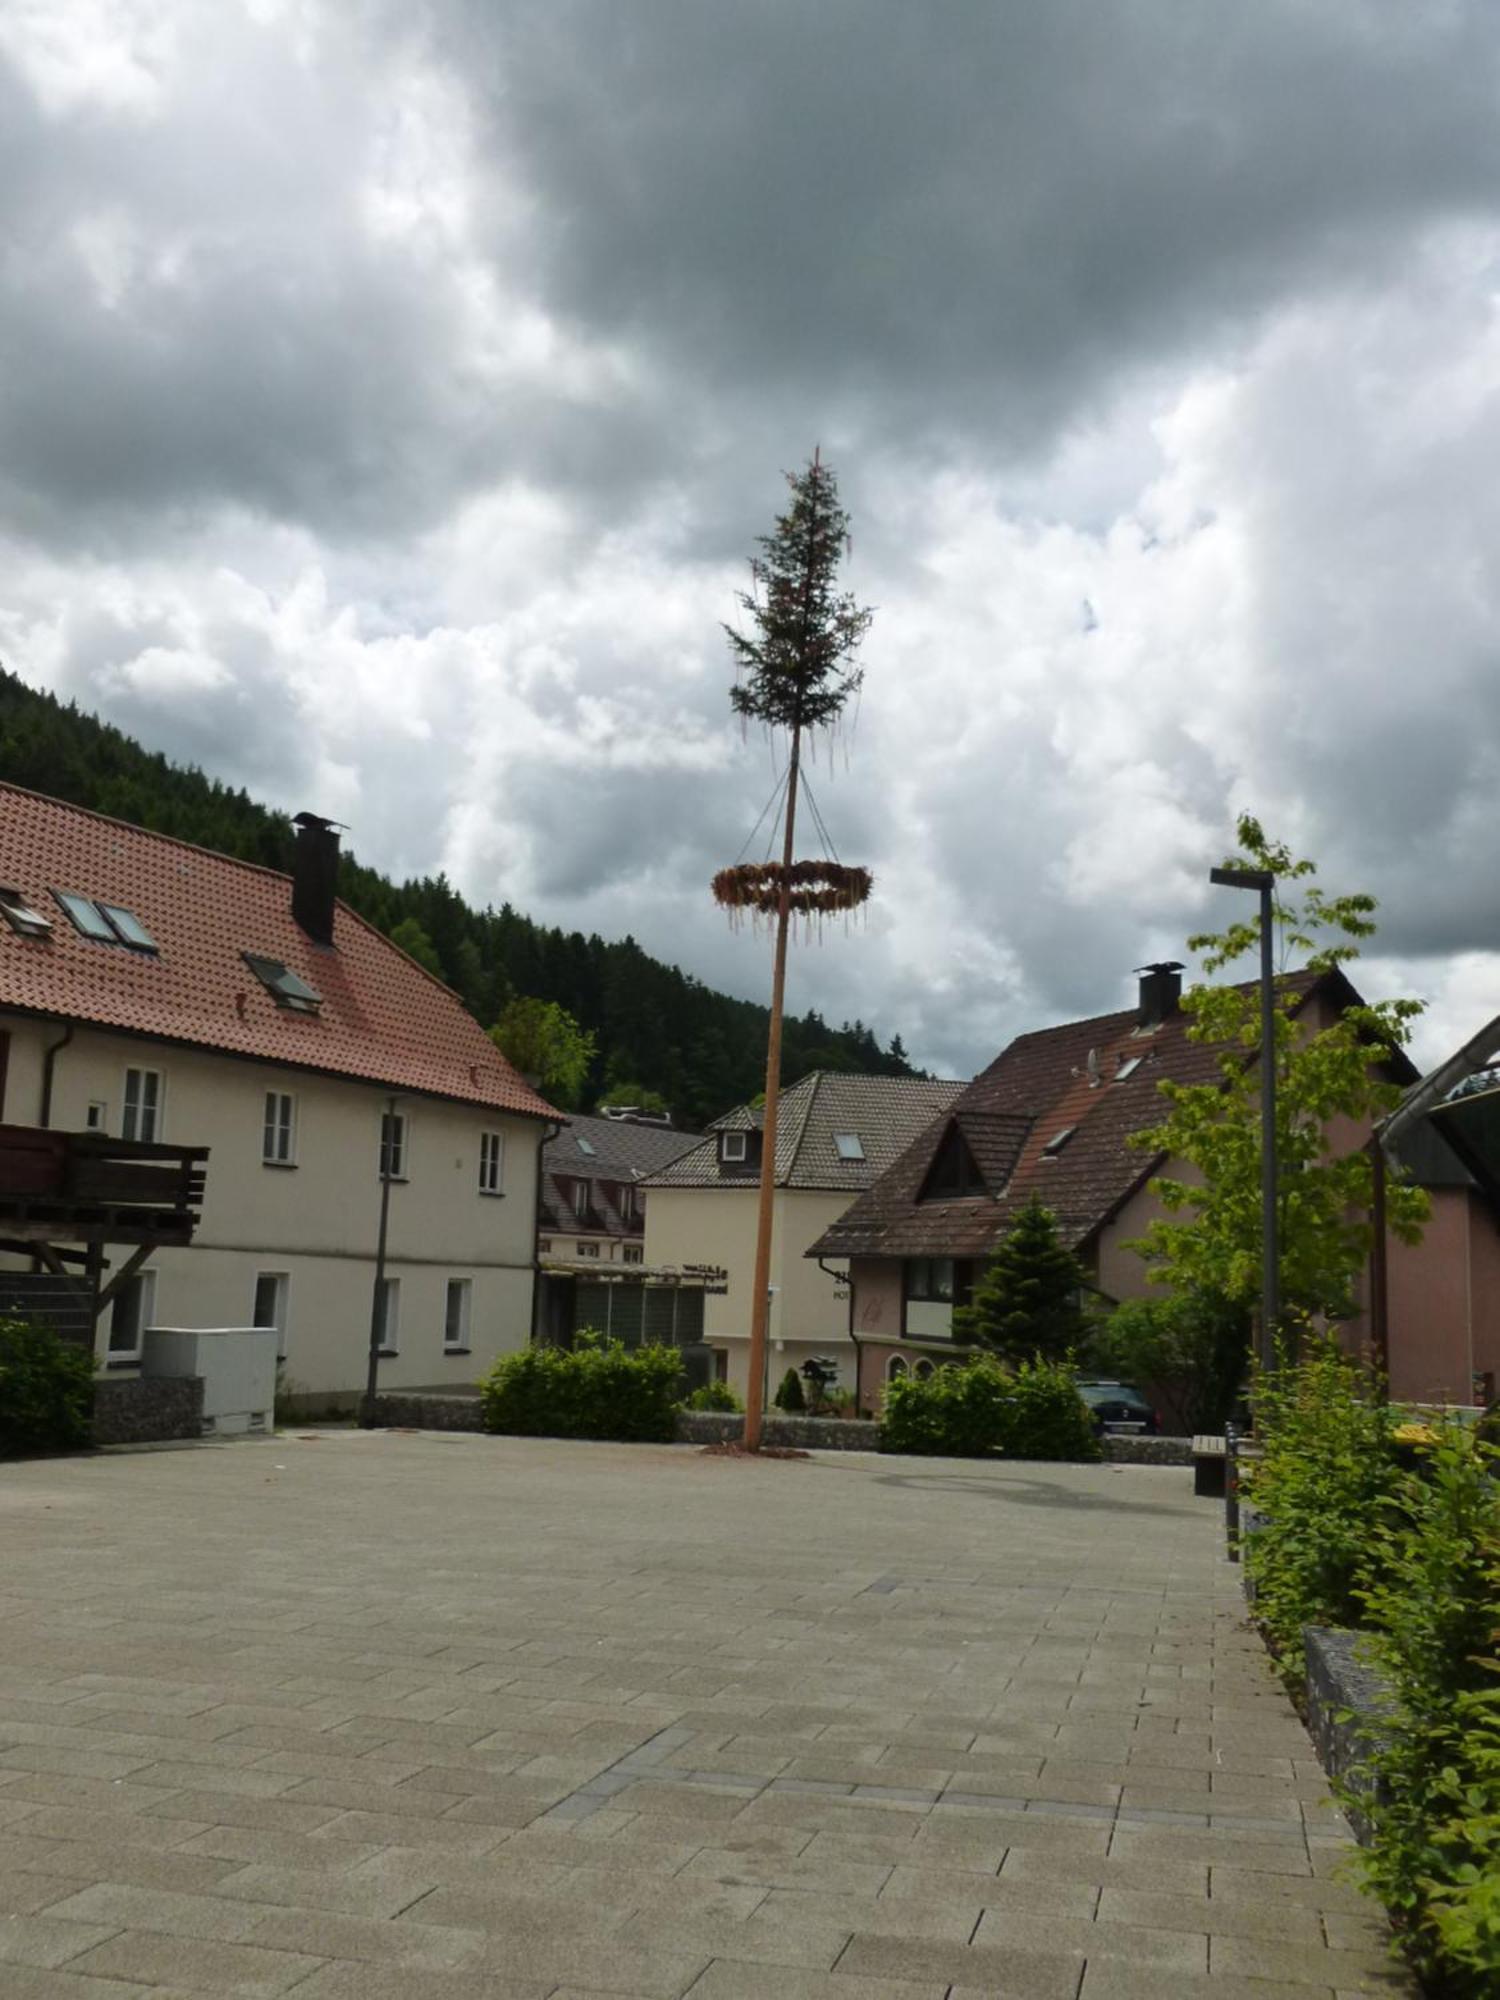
(1345,1971)
(728,1980)
(1016,1975)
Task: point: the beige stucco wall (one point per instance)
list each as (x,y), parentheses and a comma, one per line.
(316,1221)
(809,1313)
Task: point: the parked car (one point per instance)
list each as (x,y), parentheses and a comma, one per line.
(1119,1408)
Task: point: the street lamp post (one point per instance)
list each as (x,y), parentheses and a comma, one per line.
(377,1294)
(1264,881)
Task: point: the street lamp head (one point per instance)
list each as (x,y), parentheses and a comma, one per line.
(1242,878)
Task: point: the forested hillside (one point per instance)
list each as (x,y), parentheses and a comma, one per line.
(655,1026)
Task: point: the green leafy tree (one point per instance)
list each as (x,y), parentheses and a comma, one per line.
(415,942)
(639,1096)
(1028,1300)
(1192,1347)
(1322,1075)
(545,1042)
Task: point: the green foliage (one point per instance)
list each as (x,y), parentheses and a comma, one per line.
(545,1042)
(1193,1347)
(798,669)
(789,1395)
(46,1390)
(1434,1810)
(1323,1201)
(714,1396)
(1027,1300)
(415,942)
(982,1409)
(638,1097)
(601,1389)
(1326,1469)
(650,1021)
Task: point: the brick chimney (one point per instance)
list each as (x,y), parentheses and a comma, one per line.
(1161,990)
(315,875)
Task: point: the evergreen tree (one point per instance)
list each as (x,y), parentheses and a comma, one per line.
(789,1396)
(414,941)
(1027,1301)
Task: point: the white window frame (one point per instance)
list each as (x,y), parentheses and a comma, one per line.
(587,1249)
(282,1280)
(277,1131)
(400,1146)
(632,1253)
(492,1162)
(142,1289)
(583,1199)
(897,1368)
(96,1116)
(133,1108)
(390,1318)
(734,1147)
(466,1307)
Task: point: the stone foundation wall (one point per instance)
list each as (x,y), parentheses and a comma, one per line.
(141,1409)
(1346,1698)
(793,1433)
(430,1413)
(1147,1450)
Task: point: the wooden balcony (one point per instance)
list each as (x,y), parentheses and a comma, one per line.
(82,1187)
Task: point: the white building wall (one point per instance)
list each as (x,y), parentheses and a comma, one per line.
(316,1220)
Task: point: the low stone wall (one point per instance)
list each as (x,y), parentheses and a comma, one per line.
(1147,1450)
(429,1413)
(793,1433)
(147,1409)
(1346,1700)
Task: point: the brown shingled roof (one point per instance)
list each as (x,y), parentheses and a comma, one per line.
(383,1019)
(1038,1088)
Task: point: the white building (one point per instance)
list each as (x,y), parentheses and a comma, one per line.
(154,990)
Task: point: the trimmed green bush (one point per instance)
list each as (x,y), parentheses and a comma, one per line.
(714,1396)
(1434,1806)
(1326,1469)
(789,1395)
(981,1409)
(601,1389)
(46,1390)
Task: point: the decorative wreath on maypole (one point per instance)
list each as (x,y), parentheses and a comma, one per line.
(815,889)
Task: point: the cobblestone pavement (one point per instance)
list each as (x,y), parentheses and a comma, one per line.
(401,1717)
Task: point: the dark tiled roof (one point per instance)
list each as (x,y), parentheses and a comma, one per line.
(1037,1088)
(883,1112)
(623,1155)
(382,1019)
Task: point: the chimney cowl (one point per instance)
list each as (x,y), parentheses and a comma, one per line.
(1161,992)
(315,875)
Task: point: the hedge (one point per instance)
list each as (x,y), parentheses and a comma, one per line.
(598,1389)
(981,1408)
(46,1390)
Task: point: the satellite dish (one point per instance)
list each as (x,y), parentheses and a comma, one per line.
(1093,1067)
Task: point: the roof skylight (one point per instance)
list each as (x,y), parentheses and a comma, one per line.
(1058,1140)
(584,1145)
(105,923)
(1128,1068)
(283,985)
(19,914)
(849,1145)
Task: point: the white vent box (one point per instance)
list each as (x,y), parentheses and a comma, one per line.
(238,1366)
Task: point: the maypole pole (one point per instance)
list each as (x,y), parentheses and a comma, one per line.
(800,673)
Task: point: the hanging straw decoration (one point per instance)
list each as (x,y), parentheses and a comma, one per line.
(817,889)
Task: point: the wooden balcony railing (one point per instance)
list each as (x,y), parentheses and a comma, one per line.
(83,1187)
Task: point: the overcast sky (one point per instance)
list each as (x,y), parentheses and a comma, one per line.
(390,397)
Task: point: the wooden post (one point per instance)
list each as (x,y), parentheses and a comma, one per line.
(760,1297)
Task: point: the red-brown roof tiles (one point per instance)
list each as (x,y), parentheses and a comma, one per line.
(383,1019)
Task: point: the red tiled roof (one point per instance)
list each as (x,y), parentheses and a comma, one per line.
(383,1019)
(1035,1089)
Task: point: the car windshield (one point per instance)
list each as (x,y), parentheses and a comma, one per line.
(1095,1393)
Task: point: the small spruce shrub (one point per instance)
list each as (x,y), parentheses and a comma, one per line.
(1326,1469)
(601,1389)
(1430,1785)
(46,1390)
(714,1396)
(981,1409)
(789,1395)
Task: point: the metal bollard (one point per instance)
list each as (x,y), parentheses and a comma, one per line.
(1232,1491)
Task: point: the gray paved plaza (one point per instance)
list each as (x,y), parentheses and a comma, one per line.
(401,1717)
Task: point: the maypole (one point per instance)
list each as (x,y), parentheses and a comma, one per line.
(798,673)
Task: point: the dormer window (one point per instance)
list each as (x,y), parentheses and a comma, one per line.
(19,914)
(283,985)
(734,1148)
(954,1174)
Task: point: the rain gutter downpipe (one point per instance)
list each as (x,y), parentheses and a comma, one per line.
(49,1065)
